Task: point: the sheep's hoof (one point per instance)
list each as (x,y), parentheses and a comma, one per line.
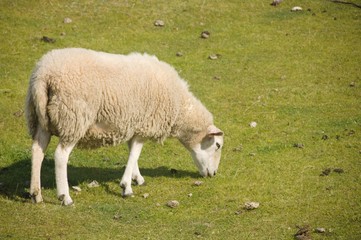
(36,197)
(139,182)
(66,201)
(126,191)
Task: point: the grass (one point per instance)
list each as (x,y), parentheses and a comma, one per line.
(290,72)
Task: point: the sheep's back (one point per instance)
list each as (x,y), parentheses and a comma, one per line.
(102,99)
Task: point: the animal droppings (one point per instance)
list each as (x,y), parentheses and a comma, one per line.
(67,20)
(76,188)
(190,194)
(173,204)
(338,170)
(145,195)
(326,172)
(303,233)
(47,39)
(179,54)
(93,184)
(296,9)
(251,205)
(159,23)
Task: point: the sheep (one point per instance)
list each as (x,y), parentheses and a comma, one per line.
(91,99)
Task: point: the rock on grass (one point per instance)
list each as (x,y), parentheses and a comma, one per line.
(251,205)
(173,204)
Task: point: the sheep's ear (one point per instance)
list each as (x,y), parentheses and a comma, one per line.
(214,131)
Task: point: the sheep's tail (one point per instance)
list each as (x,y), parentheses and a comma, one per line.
(36,104)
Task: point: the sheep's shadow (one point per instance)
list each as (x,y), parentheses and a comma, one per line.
(15,179)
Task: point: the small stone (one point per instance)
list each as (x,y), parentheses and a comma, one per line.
(238,149)
(205,34)
(251,205)
(159,23)
(18,113)
(320,230)
(213,57)
(67,20)
(198,183)
(93,184)
(238,212)
(145,195)
(275,2)
(253,124)
(173,204)
(76,188)
(352,84)
(296,9)
(179,54)
(298,145)
(325,137)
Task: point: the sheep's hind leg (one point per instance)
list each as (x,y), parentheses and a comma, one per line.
(40,143)
(135,148)
(61,160)
(136,176)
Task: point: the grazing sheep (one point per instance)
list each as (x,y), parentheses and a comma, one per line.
(93,98)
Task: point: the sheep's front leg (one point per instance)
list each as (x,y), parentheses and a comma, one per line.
(61,176)
(40,143)
(135,148)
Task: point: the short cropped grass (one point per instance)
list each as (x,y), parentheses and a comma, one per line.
(297,74)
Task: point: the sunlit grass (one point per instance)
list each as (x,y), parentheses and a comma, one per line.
(296,74)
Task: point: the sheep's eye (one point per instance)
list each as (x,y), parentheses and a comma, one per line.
(218,145)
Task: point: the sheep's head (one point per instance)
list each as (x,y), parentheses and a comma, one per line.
(206,153)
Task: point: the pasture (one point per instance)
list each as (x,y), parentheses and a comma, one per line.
(296,74)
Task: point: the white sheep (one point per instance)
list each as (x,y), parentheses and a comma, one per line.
(94,98)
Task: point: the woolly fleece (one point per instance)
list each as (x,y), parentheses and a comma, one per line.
(97,98)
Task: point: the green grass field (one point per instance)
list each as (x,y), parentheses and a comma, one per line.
(297,74)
